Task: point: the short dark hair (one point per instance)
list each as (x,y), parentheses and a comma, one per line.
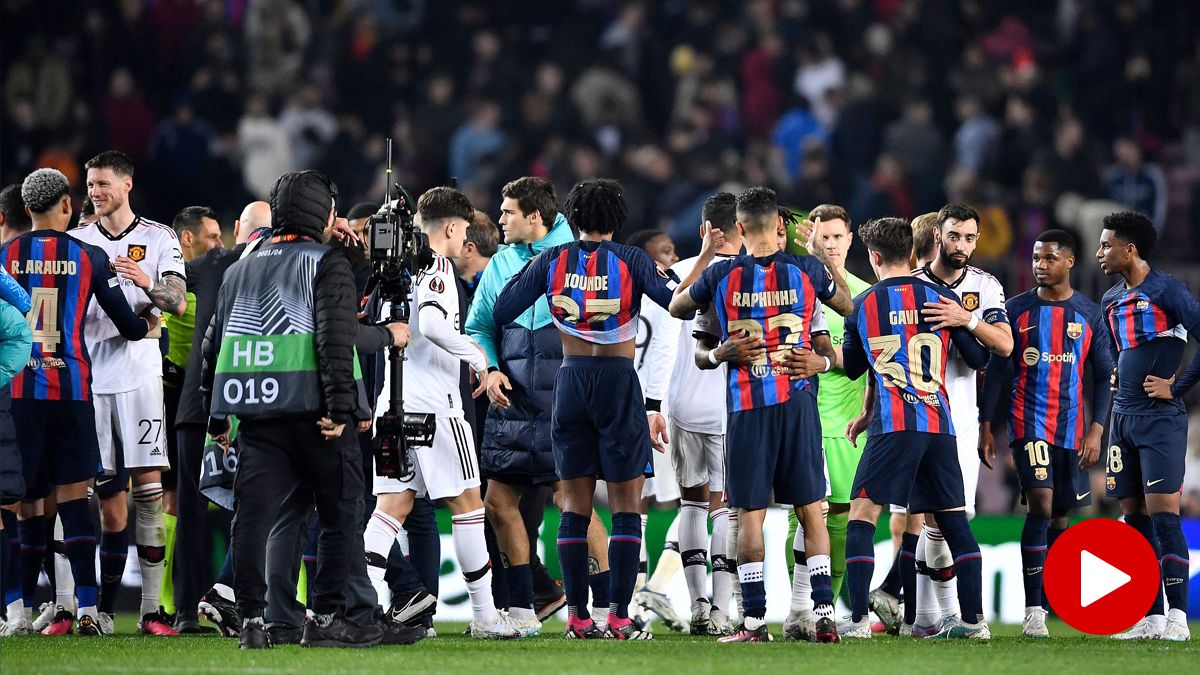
(362,210)
(958,212)
(13,209)
(1133,228)
(758,203)
(891,238)
(924,239)
(1064,239)
(533,194)
(116,160)
(597,205)
(642,238)
(88,208)
(190,219)
(830,212)
(444,202)
(720,209)
(484,234)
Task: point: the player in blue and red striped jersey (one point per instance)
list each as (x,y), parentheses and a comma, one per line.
(1058,332)
(911,456)
(595,289)
(52,398)
(1151,315)
(773,430)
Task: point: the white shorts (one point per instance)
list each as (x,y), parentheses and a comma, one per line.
(662,485)
(132,422)
(699,458)
(448,468)
(966,429)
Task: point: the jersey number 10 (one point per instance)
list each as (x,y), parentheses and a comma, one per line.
(894,374)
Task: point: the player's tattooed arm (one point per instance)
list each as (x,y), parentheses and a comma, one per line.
(805,363)
(169,294)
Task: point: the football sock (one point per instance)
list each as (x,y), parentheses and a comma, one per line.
(789,554)
(573,557)
(822,585)
(64,580)
(731,546)
(10,574)
(167,590)
(893,582)
(941,571)
(860,565)
(79,540)
(1144,525)
(1052,535)
(802,600)
(520,590)
(381,532)
(836,524)
(470,549)
(1173,559)
(754,592)
(151,540)
(643,558)
(906,563)
(968,564)
(722,580)
(623,547)
(669,562)
(33,552)
(114,549)
(693,547)
(1033,556)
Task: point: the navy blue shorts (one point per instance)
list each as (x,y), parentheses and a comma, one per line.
(111,484)
(599,427)
(775,448)
(1044,465)
(911,467)
(1146,454)
(58,443)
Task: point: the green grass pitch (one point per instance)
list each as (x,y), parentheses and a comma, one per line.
(452,652)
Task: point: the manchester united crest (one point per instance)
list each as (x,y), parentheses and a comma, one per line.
(137,252)
(1074,330)
(970,301)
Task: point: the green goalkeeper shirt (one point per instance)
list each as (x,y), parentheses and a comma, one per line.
(840,399)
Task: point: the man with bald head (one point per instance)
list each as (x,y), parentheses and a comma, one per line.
(192,555)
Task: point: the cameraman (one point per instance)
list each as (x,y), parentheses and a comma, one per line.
(288,373)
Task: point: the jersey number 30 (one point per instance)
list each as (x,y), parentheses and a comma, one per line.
(894,374)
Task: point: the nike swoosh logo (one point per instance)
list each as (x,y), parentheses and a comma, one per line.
(1151,483)
(1078,497)
(1026,329)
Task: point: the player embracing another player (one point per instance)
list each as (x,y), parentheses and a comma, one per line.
(773,433)
(911,456)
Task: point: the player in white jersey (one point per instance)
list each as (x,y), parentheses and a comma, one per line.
(654,350)
(982,312)
(449,469)
(127,382)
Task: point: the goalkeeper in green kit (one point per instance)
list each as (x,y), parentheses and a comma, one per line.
(839,400)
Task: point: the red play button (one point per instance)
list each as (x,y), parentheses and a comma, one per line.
(1101,576)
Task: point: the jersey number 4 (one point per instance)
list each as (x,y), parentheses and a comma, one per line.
(44,312)
(894,373)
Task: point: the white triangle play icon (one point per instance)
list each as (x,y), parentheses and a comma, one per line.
(1097,578)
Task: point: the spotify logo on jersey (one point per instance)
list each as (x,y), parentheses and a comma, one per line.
(1031,356)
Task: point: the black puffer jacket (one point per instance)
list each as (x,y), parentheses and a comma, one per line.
(300,205)
(516,440)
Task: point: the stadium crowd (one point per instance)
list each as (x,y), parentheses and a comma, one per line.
(864,104)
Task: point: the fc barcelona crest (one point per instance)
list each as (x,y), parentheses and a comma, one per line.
(1110,482)
(1040,473)
(1074,330)
(970,301)
(137,252)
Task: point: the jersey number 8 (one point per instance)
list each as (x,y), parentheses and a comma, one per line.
(894,374)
